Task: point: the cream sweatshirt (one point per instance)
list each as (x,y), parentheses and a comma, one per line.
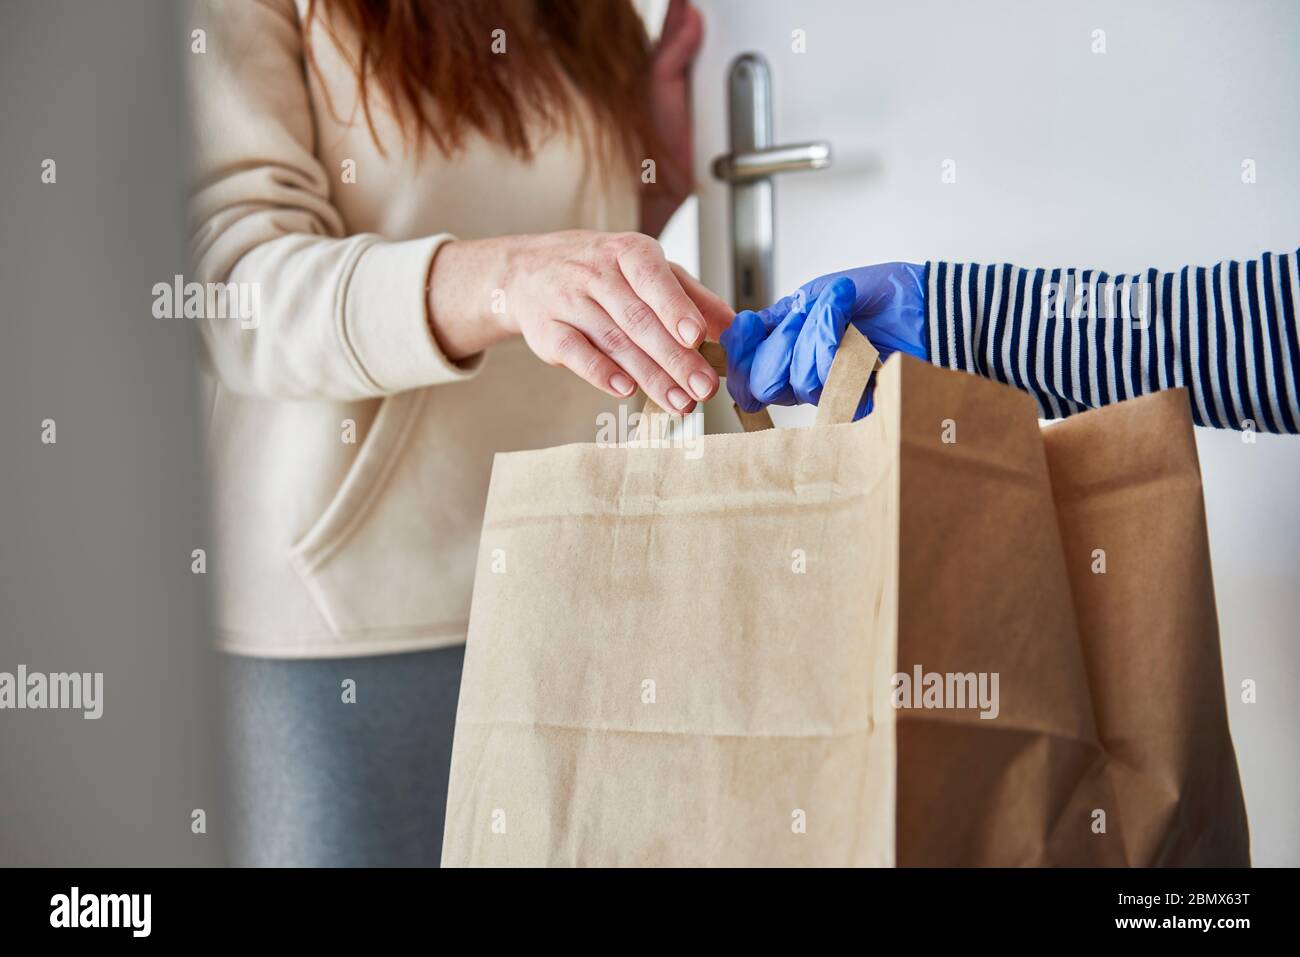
(348,458)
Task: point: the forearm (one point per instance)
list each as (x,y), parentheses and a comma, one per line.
(1078,339)
(331,318)
(466,296)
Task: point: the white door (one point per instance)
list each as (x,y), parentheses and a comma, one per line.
(1109,135)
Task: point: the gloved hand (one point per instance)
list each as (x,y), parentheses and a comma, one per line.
(781,355)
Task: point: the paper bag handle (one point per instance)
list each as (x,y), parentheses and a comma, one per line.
(716,357)
(855,360)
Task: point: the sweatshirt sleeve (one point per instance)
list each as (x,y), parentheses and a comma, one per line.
(338,316)
(1080,338)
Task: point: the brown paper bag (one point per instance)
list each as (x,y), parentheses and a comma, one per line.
(1127,486)
(682,659)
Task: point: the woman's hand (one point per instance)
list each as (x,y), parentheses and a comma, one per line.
(670,111)
(607,306)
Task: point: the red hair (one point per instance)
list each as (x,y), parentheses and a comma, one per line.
(434,63)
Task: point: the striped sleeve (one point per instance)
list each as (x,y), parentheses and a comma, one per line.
(1080,338)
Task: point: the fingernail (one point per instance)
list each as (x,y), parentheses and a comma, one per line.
(689,331)
(700,385)
(621,384)
(679,399)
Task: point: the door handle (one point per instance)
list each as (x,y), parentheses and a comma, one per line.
(757,164)
(748,170)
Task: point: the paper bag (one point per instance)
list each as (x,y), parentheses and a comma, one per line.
(710,660)
(1127,487)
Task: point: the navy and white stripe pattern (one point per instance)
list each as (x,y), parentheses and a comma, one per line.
(1080,338)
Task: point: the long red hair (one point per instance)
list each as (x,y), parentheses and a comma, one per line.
(434,63)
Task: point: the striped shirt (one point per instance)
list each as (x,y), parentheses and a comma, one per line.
(1080,338)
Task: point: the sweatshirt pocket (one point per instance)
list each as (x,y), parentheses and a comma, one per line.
(355,561)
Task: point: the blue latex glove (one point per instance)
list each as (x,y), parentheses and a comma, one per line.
(781,355)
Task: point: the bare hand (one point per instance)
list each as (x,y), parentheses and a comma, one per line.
(607,306)
(610,308)
(670,111)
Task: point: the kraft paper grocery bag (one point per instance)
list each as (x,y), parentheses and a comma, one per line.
(696,660)
(1127,486)
(1112,745)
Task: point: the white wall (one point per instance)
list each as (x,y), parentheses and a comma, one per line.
(1116,161)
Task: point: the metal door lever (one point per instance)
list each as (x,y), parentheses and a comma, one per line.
(739,168)
(748,170)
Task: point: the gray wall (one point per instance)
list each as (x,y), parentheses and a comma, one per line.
(96,530)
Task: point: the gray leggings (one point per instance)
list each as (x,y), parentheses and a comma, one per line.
(318,782)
